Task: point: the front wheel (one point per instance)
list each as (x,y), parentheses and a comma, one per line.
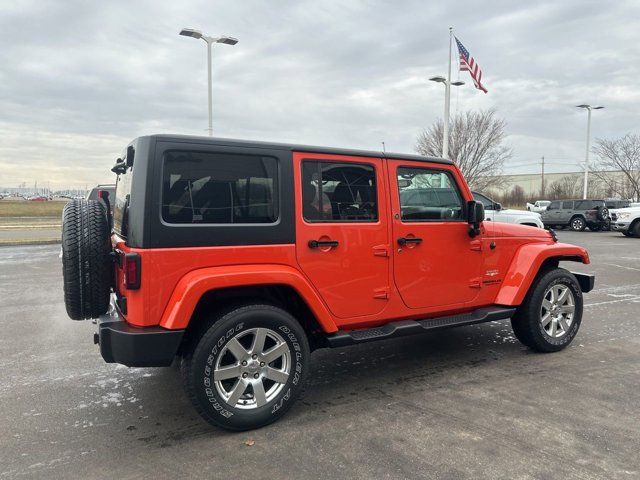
(248,367)
(549,318)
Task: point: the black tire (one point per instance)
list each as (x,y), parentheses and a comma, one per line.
(628,234)
(213,350)
(635,228)
(86,266)
(577,224)
(602,213)
(595,227)
(527,322)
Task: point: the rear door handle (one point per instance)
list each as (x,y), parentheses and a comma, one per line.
(405,240)
(322,243)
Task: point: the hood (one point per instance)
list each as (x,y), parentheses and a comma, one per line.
(522,213)
(626,209)
(515,230)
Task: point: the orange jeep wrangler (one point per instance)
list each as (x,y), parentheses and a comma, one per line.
(240,257)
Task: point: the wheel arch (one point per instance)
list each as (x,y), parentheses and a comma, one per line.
(529,262)
(202,290)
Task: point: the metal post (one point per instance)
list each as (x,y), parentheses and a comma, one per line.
(447,102)
(586,161)
(542,180)
(209,41)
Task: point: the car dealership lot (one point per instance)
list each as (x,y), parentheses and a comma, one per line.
(463,403)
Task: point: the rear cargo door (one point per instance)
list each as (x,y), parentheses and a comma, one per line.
(342,238)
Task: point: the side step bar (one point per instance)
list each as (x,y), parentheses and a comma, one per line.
(412,327)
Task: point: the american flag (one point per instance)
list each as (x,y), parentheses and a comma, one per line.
(468,64)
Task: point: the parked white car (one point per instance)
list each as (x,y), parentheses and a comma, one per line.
(493,211)
(626,221)
(539,206)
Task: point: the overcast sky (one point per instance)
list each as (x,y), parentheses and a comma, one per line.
(79,79)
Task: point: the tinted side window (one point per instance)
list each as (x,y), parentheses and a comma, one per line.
(567,205)
(554,206)
(428,195)
(219,188)
(338,192)
(486,202)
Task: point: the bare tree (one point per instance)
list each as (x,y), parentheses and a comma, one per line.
(475,145)
(622,154)
(566,187)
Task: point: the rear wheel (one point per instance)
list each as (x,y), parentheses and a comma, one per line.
(577,224)
(86,266)
(549,318)
(247,369)
(635,228)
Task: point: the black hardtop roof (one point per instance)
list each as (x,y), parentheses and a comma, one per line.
(295,148)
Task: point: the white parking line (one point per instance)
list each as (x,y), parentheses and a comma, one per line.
(628,299)
(622,266)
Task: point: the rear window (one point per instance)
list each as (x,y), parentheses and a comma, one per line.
(338,192)
(219,188)
(121,202)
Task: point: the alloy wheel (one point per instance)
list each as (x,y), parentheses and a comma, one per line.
(557,310)
(252,368)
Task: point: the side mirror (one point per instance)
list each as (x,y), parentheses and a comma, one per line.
(475,216)
(497,207)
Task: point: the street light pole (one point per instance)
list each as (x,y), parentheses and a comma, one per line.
(210,88)
(447,103)
(189,32)
(589,108)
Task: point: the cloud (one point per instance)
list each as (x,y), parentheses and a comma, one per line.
(79,79)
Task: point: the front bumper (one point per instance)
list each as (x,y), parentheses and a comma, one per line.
(620,226)
(136,347)
(585,280)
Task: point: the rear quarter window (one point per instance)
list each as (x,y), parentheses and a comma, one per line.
(219,188)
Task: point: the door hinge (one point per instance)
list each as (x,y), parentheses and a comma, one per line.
(381,293)
(475,283)
(476,245)
(381,251)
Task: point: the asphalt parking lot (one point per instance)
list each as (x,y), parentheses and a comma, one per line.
(467,403)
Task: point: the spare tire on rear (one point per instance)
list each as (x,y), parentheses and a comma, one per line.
(603,214)
(86,264)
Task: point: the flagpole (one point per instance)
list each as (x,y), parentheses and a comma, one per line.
(447,103)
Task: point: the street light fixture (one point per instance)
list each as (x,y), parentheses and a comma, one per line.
(589,108)
(197,34)
(447,102)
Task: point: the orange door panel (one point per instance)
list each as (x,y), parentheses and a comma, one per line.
(342,242)
(436,263)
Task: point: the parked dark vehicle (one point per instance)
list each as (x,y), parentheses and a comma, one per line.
(580,214)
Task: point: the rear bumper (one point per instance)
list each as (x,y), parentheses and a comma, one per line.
(136,347)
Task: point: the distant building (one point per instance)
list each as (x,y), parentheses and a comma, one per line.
(564,185)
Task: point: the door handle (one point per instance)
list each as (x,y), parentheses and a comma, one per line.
(404,240)
(322,243)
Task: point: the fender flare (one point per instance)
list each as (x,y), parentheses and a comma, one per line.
(193,285)
(526,264)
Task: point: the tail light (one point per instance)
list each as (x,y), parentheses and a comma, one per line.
(132,271)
